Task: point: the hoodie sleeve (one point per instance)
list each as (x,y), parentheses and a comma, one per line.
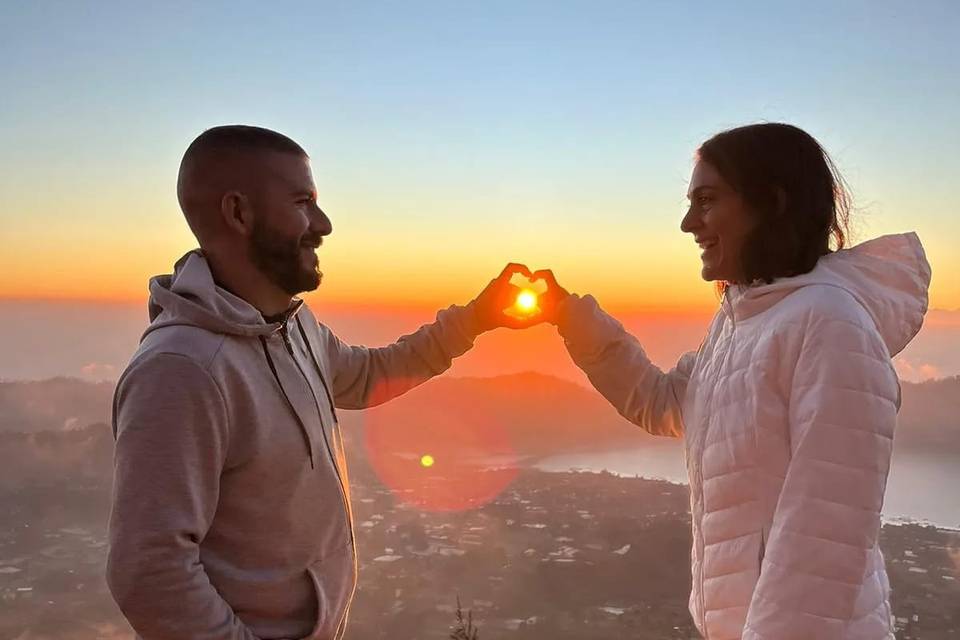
(366,376)
(843,403)
(170,426)
(619,369)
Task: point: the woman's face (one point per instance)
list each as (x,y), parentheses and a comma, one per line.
(719,222)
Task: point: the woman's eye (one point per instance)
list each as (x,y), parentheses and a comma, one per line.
(704,201)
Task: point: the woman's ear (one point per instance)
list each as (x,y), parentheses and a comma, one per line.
(780,196)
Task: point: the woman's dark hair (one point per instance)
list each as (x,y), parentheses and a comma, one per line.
(792,188)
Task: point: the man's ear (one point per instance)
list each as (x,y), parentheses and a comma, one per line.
(236,212)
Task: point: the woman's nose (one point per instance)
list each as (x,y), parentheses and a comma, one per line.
(690,221)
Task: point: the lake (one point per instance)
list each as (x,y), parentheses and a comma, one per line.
(921,487)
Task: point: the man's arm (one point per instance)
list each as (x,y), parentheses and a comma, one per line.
(170,425)
(365,377)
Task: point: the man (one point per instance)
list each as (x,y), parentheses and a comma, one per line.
(231,508)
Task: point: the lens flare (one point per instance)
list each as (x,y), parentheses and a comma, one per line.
(407,439)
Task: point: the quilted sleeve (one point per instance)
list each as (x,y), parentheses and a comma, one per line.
(620,370)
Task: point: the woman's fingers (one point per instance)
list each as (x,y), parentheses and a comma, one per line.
(546,275)
(553,287)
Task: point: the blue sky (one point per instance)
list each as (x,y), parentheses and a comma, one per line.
(568,125)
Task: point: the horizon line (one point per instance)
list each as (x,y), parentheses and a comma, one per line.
(511,374)
(317,299)
(411,305)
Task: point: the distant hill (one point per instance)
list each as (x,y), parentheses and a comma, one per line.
(930,416)
(541,415)
(538,414)
(56,404)
(54,458)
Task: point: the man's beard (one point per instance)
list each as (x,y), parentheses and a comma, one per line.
(279,259)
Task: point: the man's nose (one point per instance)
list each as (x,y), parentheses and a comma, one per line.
(322,222)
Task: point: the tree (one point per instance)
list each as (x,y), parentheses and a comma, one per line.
(464,629)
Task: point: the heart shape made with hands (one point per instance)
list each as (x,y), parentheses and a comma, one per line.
(526,304)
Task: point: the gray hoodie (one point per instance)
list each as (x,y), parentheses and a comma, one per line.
(231,507)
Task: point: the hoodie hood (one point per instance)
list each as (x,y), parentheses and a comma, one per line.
(889,276)
(189,296)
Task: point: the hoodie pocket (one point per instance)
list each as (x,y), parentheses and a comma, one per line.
(334,581)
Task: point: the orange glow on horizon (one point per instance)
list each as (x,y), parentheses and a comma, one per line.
(389,284)
(417,310)
(106,253)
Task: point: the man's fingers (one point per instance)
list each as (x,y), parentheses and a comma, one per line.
(515,267)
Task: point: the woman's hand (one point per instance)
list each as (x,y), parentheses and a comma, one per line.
(551,299)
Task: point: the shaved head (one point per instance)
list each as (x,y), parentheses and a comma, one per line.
(224,159)
(249,198)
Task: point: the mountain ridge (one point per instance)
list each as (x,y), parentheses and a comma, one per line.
(526,404)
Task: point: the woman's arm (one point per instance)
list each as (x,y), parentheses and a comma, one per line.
(619,369)
(843,405)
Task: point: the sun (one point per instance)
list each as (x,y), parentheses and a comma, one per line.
(526,300)
(427,460)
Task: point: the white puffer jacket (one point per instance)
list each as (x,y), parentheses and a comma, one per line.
(788,411)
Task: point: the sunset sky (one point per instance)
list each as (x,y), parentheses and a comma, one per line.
(450,138)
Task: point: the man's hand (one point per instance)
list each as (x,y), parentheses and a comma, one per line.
(497,297)
(500,296)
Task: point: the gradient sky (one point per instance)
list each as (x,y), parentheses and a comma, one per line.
(449,138)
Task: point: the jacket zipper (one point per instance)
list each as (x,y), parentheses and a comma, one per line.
(326,441)
(702,441)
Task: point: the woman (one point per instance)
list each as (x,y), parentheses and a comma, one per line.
(788,408)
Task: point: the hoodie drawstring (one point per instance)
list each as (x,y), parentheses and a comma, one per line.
(316,365)
(333,408)
(303,427)
(323,382)
(335,432)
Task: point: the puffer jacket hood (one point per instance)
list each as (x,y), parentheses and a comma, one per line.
(889,276)
(189,296)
